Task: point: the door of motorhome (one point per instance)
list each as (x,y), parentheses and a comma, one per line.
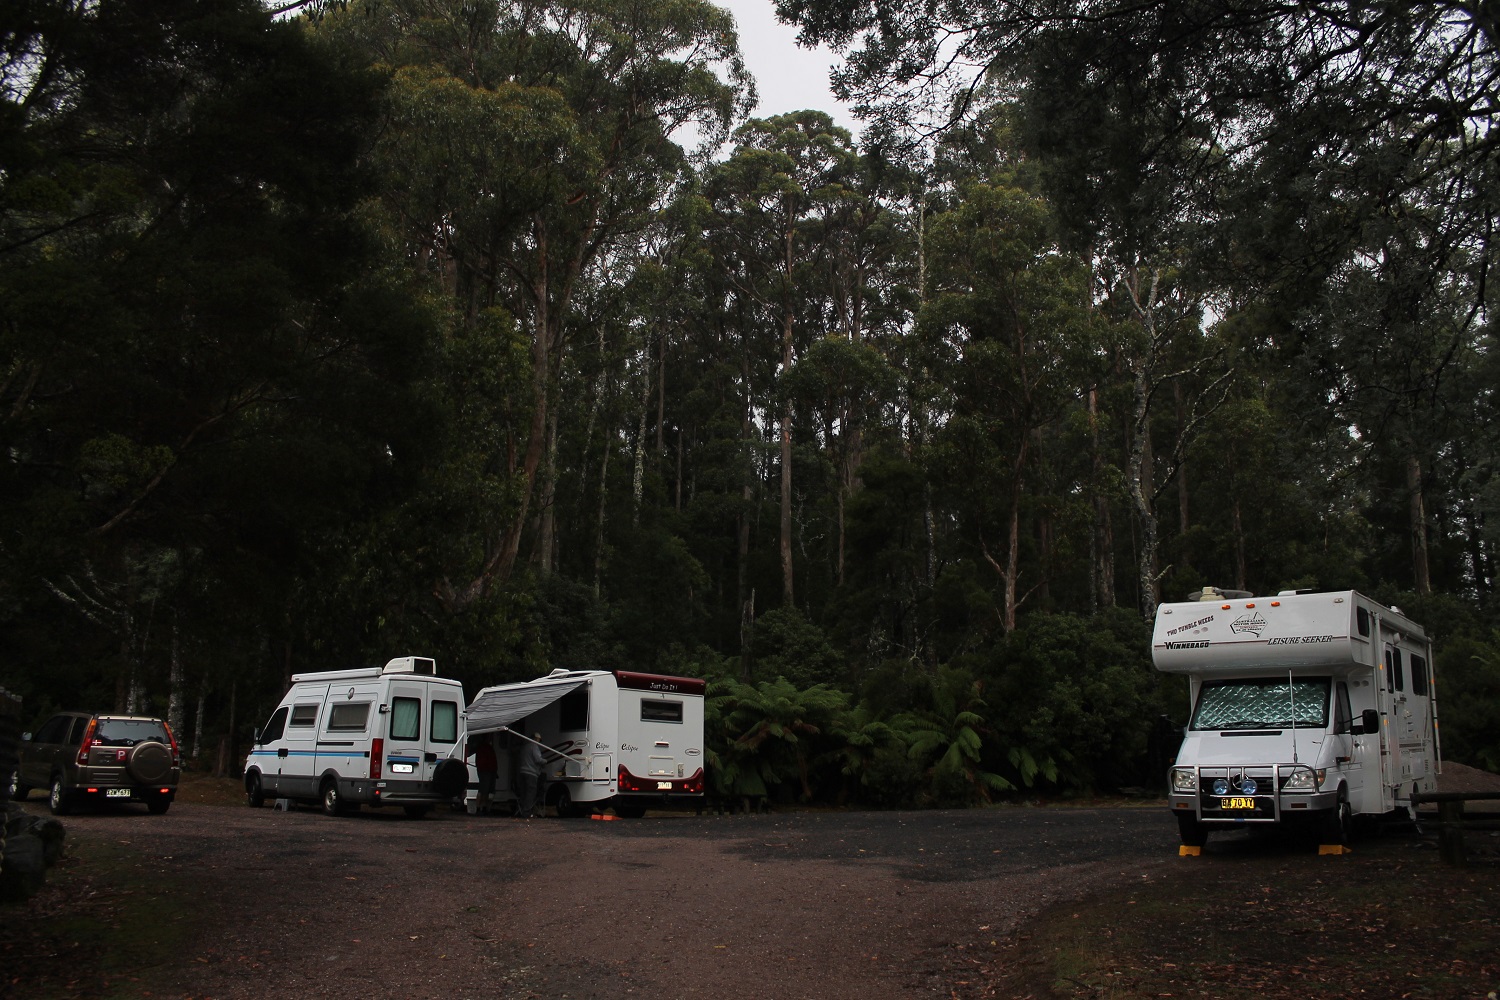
(1316,706)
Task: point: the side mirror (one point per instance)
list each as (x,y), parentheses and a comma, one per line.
(257,737)
(25,737)
(1369,723)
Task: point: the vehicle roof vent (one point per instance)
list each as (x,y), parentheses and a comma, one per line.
(412,665)
(1215,594)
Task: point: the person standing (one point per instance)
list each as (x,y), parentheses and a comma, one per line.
(529,773)
(487,766)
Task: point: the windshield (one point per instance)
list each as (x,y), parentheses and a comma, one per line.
(1263,704)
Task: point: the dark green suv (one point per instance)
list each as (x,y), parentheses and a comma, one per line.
(82,757)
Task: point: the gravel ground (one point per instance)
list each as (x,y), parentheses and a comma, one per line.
(826,905)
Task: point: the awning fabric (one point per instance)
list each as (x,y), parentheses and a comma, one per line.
(497,707)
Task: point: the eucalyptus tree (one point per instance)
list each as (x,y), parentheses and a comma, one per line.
(764,196)
(1023,346)
(203,367)
(524,142)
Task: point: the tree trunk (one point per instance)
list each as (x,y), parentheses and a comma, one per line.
(1103,541)
(1241,573)
(786,469)
(1420,566)
(546,516)
(174,679)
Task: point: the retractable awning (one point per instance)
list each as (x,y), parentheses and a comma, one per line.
(495,708)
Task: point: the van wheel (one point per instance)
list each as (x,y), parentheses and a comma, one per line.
(59,801)
(564,805)
(333,802)
(1193,833)
(1337,824)
(255,795)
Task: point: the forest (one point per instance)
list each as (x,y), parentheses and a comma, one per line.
(501,332)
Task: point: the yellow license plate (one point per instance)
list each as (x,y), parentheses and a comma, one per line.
(1237,803)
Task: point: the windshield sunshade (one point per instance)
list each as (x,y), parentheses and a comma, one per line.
(1263,704)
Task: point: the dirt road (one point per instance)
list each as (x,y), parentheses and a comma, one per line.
(804,905)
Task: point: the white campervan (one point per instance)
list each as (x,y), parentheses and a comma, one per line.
(374,736)
(612,737)
(1316,705)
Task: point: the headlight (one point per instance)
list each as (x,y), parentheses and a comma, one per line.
(1184,779)
(1304,780)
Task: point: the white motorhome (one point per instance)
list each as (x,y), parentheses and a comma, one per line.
(613,737)
(374,736)
(1317,705)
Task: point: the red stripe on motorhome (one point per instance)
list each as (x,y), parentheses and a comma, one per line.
(660,683)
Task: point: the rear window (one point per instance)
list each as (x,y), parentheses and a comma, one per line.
(661,711)
(128,732)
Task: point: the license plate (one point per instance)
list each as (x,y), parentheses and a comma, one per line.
(663,786)
(117,793)
(1237,803)
(401,768)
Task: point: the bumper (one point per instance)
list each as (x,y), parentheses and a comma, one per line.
(1270,802)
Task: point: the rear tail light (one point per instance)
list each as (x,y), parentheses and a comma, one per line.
(377,752)
(88,741)
(691,785)
(172,739)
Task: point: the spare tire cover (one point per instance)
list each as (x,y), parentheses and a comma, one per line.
(149,762)
(450,778)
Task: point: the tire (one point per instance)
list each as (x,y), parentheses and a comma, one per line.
(18,791)
(415,812)
(255,795)
(158,805)
(149,763)
(1193,833)
(60,800)
(1337,824)
(333,802)
(632,810)
(564,804)
(450,778)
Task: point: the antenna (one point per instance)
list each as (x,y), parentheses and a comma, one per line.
(1291,691)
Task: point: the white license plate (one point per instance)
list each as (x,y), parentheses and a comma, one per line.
(663,786)
(117,793)
(402,768)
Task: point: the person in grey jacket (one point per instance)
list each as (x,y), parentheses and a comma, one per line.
(529,773)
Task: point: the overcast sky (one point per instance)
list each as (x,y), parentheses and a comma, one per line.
(788,77)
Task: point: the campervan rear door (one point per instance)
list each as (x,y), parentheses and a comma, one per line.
(423,725)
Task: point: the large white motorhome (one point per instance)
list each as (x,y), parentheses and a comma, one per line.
(374,736)
(1317,705)
(614,737)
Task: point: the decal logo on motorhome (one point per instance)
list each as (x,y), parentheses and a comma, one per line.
(1293,640)
(1191,625)
(1188,645)
(1252,623)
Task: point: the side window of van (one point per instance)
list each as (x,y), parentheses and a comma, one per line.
(276,727)
(304,716)
(406,718)
(348,717)
(444,722)
(1343,719)
(1419,675)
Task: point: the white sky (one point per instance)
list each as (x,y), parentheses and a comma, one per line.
(787,77)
